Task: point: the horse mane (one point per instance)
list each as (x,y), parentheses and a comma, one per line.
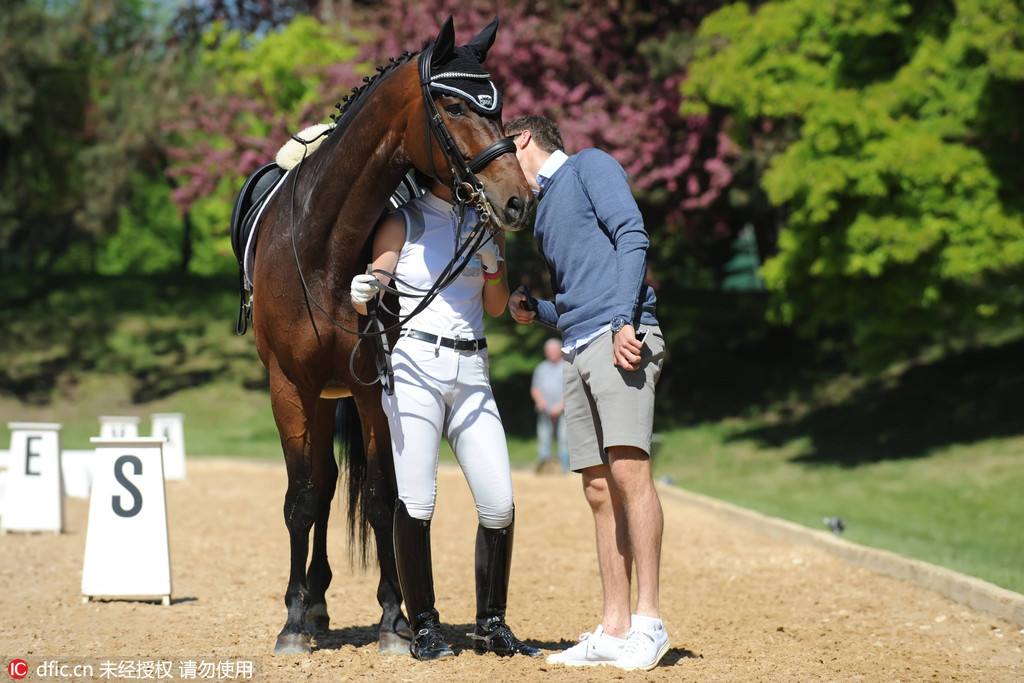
(354,100)
(308,140)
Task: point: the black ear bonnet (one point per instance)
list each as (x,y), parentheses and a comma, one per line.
(459,71)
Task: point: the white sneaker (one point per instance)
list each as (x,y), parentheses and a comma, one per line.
(593,649)
(646,644)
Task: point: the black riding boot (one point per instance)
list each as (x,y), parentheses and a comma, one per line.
(493,562)
(412,554)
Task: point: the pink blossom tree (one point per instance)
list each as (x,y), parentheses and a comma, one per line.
(608,72)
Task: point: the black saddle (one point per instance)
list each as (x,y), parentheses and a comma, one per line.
(250,198)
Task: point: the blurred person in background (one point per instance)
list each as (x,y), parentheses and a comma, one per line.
(546,391)
(590,233)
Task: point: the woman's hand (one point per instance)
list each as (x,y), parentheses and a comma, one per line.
(489,257)
(364,288)
(387,245)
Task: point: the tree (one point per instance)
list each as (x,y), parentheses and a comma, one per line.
(43,100)
(609,74)
(247,95)
(85,90)
(903,219)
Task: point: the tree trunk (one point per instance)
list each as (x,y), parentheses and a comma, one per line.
(186,241)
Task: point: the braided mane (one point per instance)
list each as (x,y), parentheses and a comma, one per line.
(369,82)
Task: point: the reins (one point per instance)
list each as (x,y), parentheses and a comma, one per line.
(467,190)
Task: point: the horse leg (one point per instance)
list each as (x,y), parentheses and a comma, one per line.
(295,415)
(394,633)
(325,479)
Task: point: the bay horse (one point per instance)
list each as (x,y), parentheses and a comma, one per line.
(314,237)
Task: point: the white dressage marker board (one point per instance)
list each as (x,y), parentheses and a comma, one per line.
(119,426)
(76,470)
(34,500)
(171,426)
(126,548)
(4,459)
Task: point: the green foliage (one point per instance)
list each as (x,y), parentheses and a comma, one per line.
(162,333)
(287,67)
(247,95)
(86,88)
(43,94)
(149,232)
(901,221)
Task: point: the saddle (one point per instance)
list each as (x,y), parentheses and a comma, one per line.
(251,197)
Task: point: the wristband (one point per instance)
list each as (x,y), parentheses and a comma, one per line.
(492,277)
(492,280)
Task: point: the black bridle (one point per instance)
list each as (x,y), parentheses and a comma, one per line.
(467,190)
(466,187)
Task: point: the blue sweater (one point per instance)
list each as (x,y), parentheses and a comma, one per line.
(590,232)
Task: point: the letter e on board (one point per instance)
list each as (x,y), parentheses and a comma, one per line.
(34,498)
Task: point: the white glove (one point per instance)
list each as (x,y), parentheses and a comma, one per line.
(489,257)
(364,288)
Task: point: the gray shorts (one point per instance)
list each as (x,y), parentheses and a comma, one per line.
(607,406)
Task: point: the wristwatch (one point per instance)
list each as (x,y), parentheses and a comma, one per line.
(618,322)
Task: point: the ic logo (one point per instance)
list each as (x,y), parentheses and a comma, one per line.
(485,100)
(17,669)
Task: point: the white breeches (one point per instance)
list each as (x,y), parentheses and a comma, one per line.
(443,391)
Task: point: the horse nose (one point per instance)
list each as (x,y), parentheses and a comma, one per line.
(515,208)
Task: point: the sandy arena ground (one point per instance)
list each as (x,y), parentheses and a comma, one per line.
(738,607)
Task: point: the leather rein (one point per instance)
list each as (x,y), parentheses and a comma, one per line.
(467,190)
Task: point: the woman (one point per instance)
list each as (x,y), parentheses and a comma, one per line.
(442,387)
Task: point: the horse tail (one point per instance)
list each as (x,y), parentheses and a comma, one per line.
(353,453)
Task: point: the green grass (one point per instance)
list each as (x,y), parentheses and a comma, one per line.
(926,460)
(221,418)
(960,506)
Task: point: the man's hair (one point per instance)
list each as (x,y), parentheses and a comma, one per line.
(544,131)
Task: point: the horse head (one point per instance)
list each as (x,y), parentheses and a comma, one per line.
(467,109)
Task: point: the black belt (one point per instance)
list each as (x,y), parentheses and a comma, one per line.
(447,342)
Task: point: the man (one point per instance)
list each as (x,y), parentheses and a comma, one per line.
(546,391)
(589,231)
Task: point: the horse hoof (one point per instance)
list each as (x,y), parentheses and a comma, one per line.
(292,644)
(317,619)
(393,644)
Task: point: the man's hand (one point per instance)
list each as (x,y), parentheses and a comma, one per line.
(626,349)
(556,411)
(515,308)
(541,406)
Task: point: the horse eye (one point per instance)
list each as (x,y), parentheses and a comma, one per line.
(454,109)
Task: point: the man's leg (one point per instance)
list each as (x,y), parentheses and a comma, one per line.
(543,438)
(606,643)
(638,500)
(613,549)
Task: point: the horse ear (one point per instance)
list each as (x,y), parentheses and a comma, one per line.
(482,41)
(444,44)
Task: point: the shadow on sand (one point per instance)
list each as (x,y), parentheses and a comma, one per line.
(363,636)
